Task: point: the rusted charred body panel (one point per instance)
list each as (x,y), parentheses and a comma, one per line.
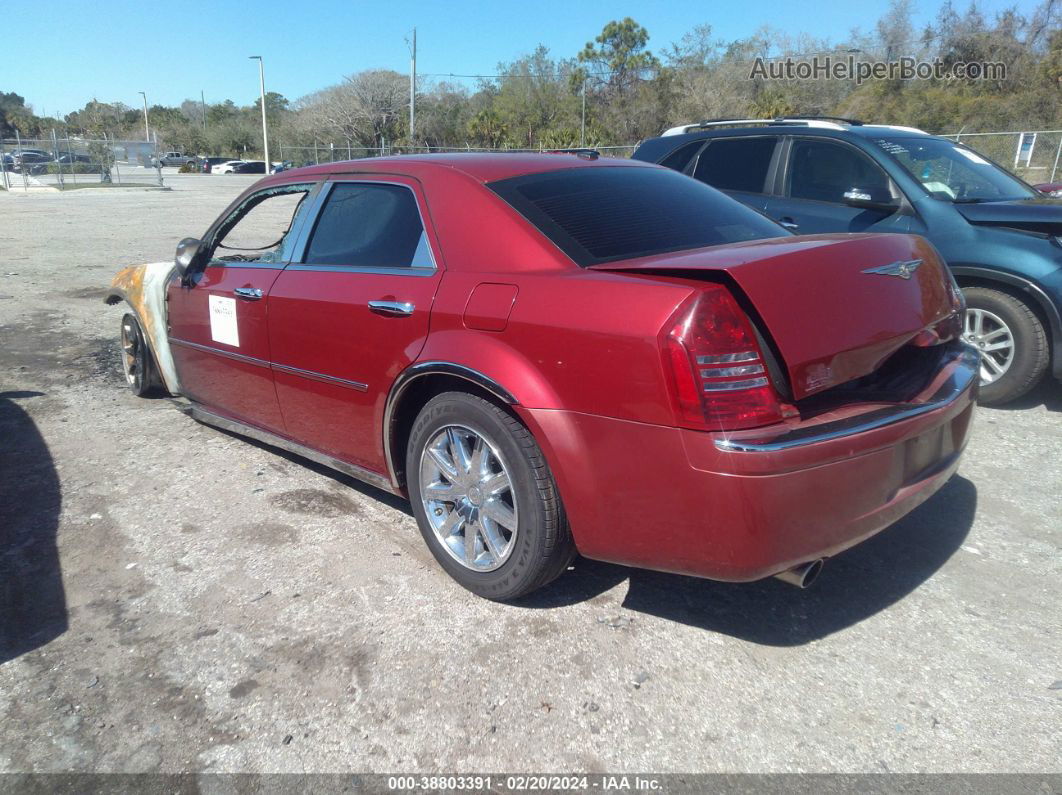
(143,288)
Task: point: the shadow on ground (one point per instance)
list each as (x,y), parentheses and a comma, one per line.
(853,586)
(1048,393)
(32,601)
(388,499)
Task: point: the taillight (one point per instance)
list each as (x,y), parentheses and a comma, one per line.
(720,374)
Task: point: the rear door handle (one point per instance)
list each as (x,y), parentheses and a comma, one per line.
(788,223)
(392,308)
(248,293)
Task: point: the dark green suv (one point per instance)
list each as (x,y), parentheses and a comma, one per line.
(1001,238)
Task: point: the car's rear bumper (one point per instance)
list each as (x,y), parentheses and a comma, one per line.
(745,506)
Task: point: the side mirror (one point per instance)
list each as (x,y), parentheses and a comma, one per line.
(187,251)
(864,199)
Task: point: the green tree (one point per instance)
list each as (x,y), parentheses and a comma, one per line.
(533,97)
(487,128)
(618,56)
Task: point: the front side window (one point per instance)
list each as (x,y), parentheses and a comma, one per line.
(606,213)
(261,229)
(367,225)
(953,172)
(736,163)
(825,171)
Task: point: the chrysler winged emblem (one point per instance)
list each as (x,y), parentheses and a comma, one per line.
(903,268)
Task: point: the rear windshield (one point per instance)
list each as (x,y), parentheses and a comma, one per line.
(597,215)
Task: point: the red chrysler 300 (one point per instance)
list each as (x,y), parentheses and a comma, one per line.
(552,354)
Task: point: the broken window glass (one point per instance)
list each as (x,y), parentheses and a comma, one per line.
(263,228)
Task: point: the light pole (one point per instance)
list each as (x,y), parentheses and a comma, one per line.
(147,133)
(412,88)
(265,132)
(582,127)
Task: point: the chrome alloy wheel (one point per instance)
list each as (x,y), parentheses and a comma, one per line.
(468,498)
(131,354)
(987,332)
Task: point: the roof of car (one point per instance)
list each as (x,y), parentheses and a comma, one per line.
(484,167)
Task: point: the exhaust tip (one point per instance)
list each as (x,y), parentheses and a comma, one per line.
(802,576)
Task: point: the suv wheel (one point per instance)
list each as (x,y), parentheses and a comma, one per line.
(1012,342)
(484,498)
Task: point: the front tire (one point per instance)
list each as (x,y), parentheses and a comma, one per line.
(138,362)
(1012,340)
(484,498)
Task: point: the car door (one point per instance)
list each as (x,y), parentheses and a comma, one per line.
(217,315)
(352,313)
(741,167)
(817,175)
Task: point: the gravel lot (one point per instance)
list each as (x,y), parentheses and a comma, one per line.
(176,598)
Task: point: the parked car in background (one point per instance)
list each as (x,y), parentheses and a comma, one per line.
(1053,189)
(174,159)
(32,161)
(282,166)
(226,167)
(72,157)
(1000,237)
(209,163)
(620,361)
(249,167)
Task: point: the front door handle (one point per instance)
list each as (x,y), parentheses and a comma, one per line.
(392,308)
(788,223)
(248,293)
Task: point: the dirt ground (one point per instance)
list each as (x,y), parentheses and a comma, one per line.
(179,599)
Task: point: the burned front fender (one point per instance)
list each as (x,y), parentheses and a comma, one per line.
(143,288)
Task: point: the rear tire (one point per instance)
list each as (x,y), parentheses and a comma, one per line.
(138,361)
(471,467)
(1012,340)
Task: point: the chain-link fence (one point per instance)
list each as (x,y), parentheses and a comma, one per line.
(332,152)
(1032,155)
(71,163)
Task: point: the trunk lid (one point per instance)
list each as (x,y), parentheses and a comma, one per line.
(835,306)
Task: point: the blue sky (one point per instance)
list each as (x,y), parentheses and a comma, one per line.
(60,54)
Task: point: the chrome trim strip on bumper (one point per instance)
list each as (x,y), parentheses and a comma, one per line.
(206,417)
(965,375)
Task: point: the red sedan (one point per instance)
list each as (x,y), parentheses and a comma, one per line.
(554,354)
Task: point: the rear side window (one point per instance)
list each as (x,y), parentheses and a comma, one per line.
(365,225)
(736,163)
(681,157)
(601,214)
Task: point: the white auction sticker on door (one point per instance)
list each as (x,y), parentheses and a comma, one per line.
(223,321)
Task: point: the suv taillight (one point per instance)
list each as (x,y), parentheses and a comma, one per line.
(719,373)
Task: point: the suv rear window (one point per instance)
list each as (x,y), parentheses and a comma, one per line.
(736,163)
(601,214)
